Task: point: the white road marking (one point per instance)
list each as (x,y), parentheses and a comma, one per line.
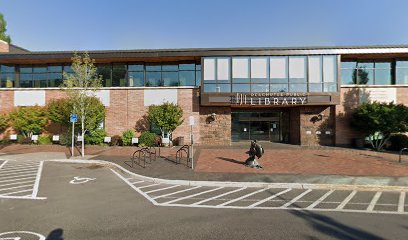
(16,173)
(14,183)
(169,194)
(15,235)
(10,177)
(401,202)
(346,200)
(3,163)
(161,189)
(151,185)
(3,189)
(10,193)
(11,180)
(193,195)
(318,201)
(218,196)
(270,198)
(242,197)
(80,180)
(374,201)
(17,170)
(137,182)
(296,198)
(37,180)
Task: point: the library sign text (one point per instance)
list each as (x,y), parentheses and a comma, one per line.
(256,99)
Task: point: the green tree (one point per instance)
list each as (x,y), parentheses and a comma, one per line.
(360,76)
(3,29)
(379,120)
(4,122)
(167,117)
(80,85)
(59,111)
(28,120)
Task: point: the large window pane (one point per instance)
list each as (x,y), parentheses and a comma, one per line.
(186,66)
(136,79)
(26,69)
(241,88)
(297,87)
(382,76)
(210,87)
(315,87)
(348,64)
(170,68)
(315,69)
(259,70)
(330,87)
(153,79)
(198,78)
(54,79)
(170,78)
(260,87)
(4,68)
(39,69)
(223,70)
(209,69)
(55,68)
(135,67)
(224,88)
(329,69)
(297,72)
(7,80)
(348,76)
(119,75)
(153,67)
(105,72)
(26,80)
(187,78)
(365,76)
(402,76)
(240,70)
(279,88)
(40,80)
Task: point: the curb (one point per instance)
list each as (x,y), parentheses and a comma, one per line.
(242,184)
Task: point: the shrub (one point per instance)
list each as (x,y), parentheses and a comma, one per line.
(95,137)
(398,142)
(4,123)
(28,120)
(127,137)
(65,138)
(147,139)
(24,140)
(44,139)
(116,140)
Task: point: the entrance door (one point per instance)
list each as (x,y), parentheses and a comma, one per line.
(260,130)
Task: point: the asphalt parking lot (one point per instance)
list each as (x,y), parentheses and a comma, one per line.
(88,201)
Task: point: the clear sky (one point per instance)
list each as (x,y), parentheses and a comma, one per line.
(120,24)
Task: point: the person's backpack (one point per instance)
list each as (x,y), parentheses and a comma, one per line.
(259,151)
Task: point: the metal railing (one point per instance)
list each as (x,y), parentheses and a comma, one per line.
(400,154)
(143,154)
(185,149)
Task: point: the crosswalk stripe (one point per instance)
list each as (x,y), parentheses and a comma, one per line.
(11,180)
(151,185)
(10,174)
(11,169)
(14,183)
(3,163)
(374,201)
(6,194)
(9,165)
(346,200)
(296,198)
(169,194)
(193,195)
(401,202)
(161,189)
(321,199)
(137,182)
(221,195)
(270,198)
(242,197)
(3,189)
(9,177)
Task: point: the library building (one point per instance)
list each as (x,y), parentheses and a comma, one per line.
(294,95)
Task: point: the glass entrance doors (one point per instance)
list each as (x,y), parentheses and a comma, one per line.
(256,126)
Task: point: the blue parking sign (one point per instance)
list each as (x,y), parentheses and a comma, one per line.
(73,118)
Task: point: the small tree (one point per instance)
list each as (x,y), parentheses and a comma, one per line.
(28,120)
(167,117)
(379,120)
(3,29)
(80,85)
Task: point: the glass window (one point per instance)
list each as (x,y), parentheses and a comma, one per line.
(5,68)
(153,79)
(260,87)
(119,75)
(54,79)
(153,67)
(170,68)
(136,67)
(105,72)
(170,78)
(382,76)
(259,69)
(40,80)
(279,88)
(330,69)
(296,87)
(26,69)
(315,69)
(297,69)
(68,69)
(402,72)
(39,69)
(136,79)
(8,75)
(348,65)
(365,65)
(241,88)
(315,87)
(365,76)
(240,70)
(224,88)
(330,87)
(223,70)
(187,78)
(26,80)
(198,78)
(210,87)
(209,69)
(348,76)
(278,69)
(186,66)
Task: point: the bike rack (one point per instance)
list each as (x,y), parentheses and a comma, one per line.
(400,153)
(179,154)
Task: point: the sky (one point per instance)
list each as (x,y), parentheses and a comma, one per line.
(52,25)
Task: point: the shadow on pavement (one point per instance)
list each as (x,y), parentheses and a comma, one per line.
(56,234)
(231,160)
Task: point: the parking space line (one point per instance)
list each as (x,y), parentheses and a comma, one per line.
(242,197)
(6,194)
(3,163)
(8,184)
(151,185)
(11,177)
(270,198)
(221,195)
(15,187)
(22,165)
(9,169)
(374,201)
(16,173)
(401,202)
(321,199)
(137,182)
(169,194)
(346,200)
(10,180)
(37,180)
(296,198)
(161,189)
(193,195)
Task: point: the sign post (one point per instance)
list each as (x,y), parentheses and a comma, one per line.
(191,123)
(73,118)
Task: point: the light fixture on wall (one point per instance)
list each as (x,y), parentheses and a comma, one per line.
(211,118)
(318,117)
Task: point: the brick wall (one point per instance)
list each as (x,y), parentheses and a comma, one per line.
(316,125)
(219,131)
